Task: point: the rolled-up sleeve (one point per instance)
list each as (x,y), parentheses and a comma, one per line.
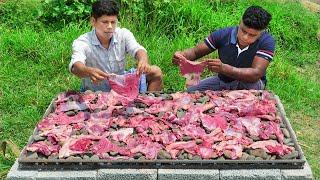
(131,44)
(78,53)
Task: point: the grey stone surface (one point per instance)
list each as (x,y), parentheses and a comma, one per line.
(188,174)
(74,175)
(16,174)
(127,174)
(250,174)
(297,174)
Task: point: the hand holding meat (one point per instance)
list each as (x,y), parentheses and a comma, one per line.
(215,65)
(96,75)
(177,57)
(143,67)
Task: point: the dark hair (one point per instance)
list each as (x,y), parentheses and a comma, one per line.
(256,17)
(105,7)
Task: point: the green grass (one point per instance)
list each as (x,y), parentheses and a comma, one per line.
(34,60)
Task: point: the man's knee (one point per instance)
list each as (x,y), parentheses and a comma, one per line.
(155,73)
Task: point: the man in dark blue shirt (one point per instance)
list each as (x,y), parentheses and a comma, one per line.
(245,52)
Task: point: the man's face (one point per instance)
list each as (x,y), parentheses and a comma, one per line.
(105,25)
(246,35)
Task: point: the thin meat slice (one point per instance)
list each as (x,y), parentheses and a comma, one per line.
(191,71)
(126,85)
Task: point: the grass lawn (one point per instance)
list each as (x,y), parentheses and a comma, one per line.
(34,59)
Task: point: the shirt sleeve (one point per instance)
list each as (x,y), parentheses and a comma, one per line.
(213,41)
(267,48)
(78,53)
(131,45)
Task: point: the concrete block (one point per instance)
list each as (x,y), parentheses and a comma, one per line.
(188,174)
(16,174)
(70,175)
(297,174)
(127,174)
(250,174)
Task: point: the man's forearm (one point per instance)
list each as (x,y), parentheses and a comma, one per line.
(141,55)
(190,54)
(80,70)
(243,74)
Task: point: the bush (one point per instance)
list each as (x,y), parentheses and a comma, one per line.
(61,12)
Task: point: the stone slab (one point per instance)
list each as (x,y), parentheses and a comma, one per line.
(120,174)
(250,174)
(188,174)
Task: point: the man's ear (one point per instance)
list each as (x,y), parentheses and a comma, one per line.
(92,20)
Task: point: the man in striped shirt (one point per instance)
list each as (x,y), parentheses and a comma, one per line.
(100,53)
(245,52)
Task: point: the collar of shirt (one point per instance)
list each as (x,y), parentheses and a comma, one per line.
(241,50)
(95,40)
(233,40)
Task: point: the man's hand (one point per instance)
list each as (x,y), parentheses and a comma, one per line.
(215,65)
(143,67)
(177,58)
(96,75)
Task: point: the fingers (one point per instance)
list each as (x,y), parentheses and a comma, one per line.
(177,58)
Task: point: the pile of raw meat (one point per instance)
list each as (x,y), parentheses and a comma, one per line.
(202,125)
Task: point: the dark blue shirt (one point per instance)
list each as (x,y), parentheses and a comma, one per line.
(225,40)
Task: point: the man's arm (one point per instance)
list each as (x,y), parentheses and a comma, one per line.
(143,62)
(193,53)
(81,70)
(253,74)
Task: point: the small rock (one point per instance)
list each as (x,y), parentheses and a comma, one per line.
(113,153)
(258,158)
(221,158)
(94,157)
(285,132)
(259,153)
(244,156)
(251,157)
(53,156)
(137,155)
(287,141)
(197,157)
(181,156)
(32,155)
(87,92)
(142,158)
(97,110)
(162,154)
(254,138)
(273,157)
(83,132)
(38,138)
(227,154)
(180,113)
(291,144)
(160,114)
(70,113)
(269,157)
(282,125)
(114,126)
(86,157)
(167,97)
(186,138)
(274,137)
(190,156)
(291,155)
(204,99)
(185,155)
(141,105)
(199,141)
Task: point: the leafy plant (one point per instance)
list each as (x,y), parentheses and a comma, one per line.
(65,11)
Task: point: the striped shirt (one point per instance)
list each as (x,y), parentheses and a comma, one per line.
(88,50)
(225,41)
